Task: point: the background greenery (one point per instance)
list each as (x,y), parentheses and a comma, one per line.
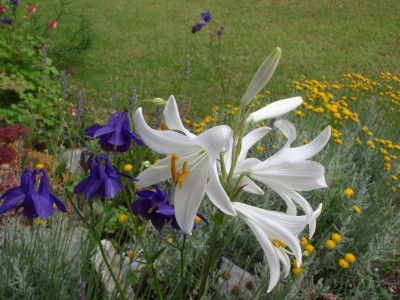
(146,43)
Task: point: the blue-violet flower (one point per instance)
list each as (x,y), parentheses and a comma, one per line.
(6,21)
(197,27)
(206,16)
(154,205)
(102,181)
(116,135)
(34,202)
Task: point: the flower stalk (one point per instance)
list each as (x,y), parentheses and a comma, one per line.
(212,242)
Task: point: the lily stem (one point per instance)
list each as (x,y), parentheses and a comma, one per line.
(212,241)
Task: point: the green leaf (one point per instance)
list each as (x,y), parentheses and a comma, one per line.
(157,254)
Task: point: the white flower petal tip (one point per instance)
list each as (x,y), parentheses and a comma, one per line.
(271,230)
(262,76)
(275,109)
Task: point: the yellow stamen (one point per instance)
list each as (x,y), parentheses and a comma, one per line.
(173,166)
(181,176)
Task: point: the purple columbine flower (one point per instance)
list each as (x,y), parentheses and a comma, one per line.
(116,135)
(197,27)
(102,181)
(154,206)
(6,21)
(206,16)
(35,203)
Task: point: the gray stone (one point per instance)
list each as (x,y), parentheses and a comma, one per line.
(73,157)
(233,279)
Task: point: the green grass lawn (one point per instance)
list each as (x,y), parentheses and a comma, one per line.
(146,43)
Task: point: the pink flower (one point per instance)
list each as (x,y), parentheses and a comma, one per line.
(32,10)
(72,111)
(52,24)
(2,8)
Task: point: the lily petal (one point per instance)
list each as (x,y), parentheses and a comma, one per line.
(151,176)
(217,194)
(172,117)
(165,142)
(250,186)
(300,176)
(250,139)
(213,140)
(188,198)
(288,130)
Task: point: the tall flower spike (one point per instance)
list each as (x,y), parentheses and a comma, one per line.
(262,76)
(116,135)
(191,161)
(274,231)
(35,203)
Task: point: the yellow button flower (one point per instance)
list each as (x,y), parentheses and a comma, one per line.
(296,271)
(336,237)
(343,263)
(348,192)
(122,218)
(330,244)
(310,248)
(131,254)
(128,167)
(356,209)
(304,241)
(350,258)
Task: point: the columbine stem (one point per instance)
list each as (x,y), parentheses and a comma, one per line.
(103,254)
(212,241)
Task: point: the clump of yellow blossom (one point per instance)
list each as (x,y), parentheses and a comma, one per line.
(131,254)
(40,221)
(260,148)
(330,244)
(297,271)
(350,258)
(309,248)
(128,167)
(39,166)
(348,192)
(343,263)
(122,218)
(336,237)
(304,241)
(356,209)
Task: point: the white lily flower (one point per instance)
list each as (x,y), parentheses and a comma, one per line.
(262,76)
(275,109)
(191,163)
(274,231)
(287,171)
